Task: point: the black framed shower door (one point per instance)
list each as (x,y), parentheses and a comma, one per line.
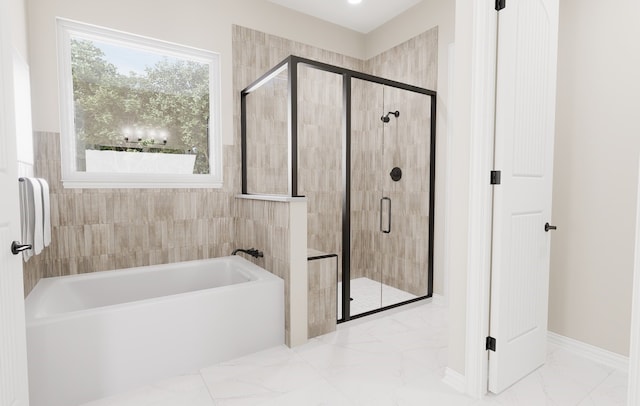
(421,249)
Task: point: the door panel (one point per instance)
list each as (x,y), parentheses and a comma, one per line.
(527,257)
(366,195)
(406,149)
(391,197)
(525,109)
(13,353)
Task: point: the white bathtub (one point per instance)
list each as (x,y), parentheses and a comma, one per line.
(93,335)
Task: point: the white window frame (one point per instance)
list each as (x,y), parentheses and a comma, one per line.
(72,178)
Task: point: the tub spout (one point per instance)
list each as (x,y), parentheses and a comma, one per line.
(251,251)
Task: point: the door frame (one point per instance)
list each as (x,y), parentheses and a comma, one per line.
(478,293)
(633,390)
(483,95)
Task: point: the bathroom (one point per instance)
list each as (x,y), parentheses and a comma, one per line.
(97,229)
(103,229)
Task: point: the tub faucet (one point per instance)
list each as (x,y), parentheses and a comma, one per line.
(251,251)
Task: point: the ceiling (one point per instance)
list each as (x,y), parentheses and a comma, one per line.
(363,17)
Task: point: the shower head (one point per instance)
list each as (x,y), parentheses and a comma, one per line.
(386,118)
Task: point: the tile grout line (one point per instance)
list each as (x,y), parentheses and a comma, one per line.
(213,400)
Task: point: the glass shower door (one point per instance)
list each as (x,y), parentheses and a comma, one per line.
(365,191)
(390,196)
(404,207)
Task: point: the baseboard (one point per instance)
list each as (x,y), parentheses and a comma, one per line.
(455,379)
(438,300)
(589,351)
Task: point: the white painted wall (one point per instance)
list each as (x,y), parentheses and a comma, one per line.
(423,16)
(204,24)
(633,390)
(24,139)
(595,172)
(18,14)
(459,205)
(298,274)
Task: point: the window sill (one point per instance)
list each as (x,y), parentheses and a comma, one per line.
(272,198)
(201,183)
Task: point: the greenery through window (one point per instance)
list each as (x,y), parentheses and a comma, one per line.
(140,106)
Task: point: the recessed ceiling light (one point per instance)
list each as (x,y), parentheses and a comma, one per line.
(355,1)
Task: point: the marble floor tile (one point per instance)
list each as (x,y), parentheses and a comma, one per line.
(567,380)
(429,390)
(264,382)
(368,295)
(247,364)
(613,391)
(319,393)
(390,360)
(189,390)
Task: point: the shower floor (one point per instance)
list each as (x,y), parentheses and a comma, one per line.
(368,295)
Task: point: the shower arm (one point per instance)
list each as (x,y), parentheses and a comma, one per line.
(386,119)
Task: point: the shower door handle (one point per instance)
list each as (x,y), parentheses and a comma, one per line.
(386,230)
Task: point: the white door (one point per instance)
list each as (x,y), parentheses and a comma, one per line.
(13,352)
(525,112)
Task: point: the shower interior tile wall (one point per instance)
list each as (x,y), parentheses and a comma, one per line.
(320,156)
(399,258)
(266,126)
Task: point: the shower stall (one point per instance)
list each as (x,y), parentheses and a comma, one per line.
(361,149)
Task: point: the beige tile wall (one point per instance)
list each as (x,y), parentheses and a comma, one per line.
(320,130)
(322,307)
(265,225)
(268,132)
(404,253)
(104,229)
(366,178)
(414,61)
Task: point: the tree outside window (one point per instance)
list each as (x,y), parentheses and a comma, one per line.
(124,94)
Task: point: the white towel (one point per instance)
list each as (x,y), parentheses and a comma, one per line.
(46,212)
(26,217)
(35,214)
(35,194)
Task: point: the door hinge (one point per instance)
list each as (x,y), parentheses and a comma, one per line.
(491,344)
(500,4)
(495,177)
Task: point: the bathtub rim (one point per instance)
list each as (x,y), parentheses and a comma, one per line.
(33,302)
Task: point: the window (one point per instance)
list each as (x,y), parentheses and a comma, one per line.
(137,112)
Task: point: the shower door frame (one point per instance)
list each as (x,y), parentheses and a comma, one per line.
(291,63)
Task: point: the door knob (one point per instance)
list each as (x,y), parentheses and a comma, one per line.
(548,227)
(17,247)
